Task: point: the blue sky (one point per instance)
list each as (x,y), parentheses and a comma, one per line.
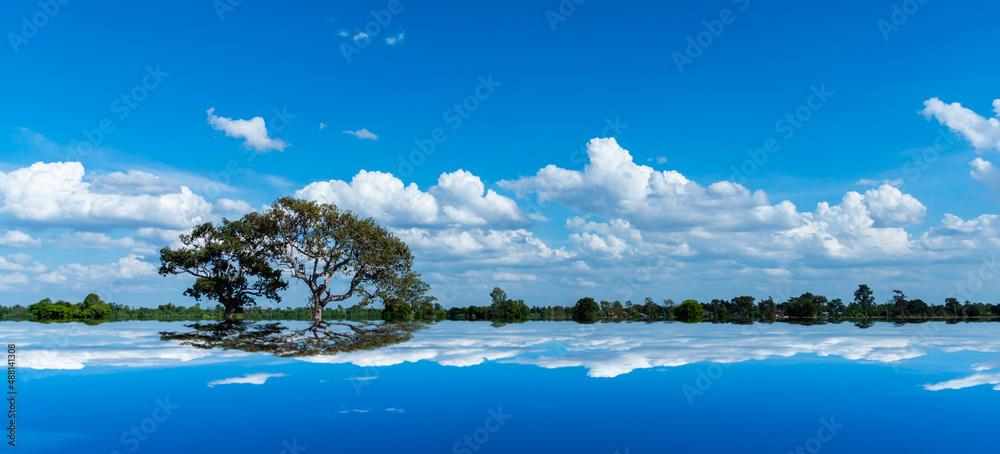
(674,207)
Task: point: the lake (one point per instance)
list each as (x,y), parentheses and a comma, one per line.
(546,387)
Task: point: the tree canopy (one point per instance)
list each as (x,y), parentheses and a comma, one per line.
(228,264)
(317,243)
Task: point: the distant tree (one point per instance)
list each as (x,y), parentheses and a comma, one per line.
(836,307)
(744,305)
(406,298)
(93,307)
(586,310)
(863,296)
(804,306)
(768,310)
(227,262)
(954,305)
(506,309)
(689,310)
(899,302)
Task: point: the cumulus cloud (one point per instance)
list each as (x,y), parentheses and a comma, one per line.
(55,194)
(459,198)
(363,134)
(612,185)
(249,379)
(96,240)
(21,262)
(19,239)
(84,277)
(985,173)
(483,247)
(983,133)
(9,281)
(253,131)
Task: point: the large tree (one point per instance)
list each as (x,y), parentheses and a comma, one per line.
(227,262)
(337,254)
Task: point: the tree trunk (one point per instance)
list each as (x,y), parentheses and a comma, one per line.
(229,316)
(317,315)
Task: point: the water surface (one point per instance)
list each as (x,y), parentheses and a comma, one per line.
(468,387)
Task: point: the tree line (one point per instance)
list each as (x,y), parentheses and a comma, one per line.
(806,306)
(504,309)
(93,308)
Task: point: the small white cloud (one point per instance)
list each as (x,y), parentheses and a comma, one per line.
(360,378)
(983,133)
(322,126)
(249,379)
(253,131)
(8,280)
(967,382)
(362,134)
(870,182)
(360,37)
(985,173)
(342,33)
(17,238)
(397,410)
(392,40)
(661,159)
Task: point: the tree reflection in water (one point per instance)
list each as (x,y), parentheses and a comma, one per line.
(278,340)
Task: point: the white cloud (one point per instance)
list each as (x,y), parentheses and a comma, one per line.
(363,133)
(19,239)
(87,277)
(322,126)
(253,131)
(459,198)
(55,194)
(232,207)
(890,207)
(133,182)
(870,182)
(393,40)
(9,281)
(966,382)
(985,173)
(613,186)
(21,262)
(983,133)
(96,240)
(483,247)
(249,379)
(360,37)
(514,277)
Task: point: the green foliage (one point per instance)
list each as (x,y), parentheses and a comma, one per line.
(317,242)
(689,310)
(586,310)
(228,264)
(863,297)
(505,309)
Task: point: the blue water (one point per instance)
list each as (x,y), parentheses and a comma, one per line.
(467,387)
